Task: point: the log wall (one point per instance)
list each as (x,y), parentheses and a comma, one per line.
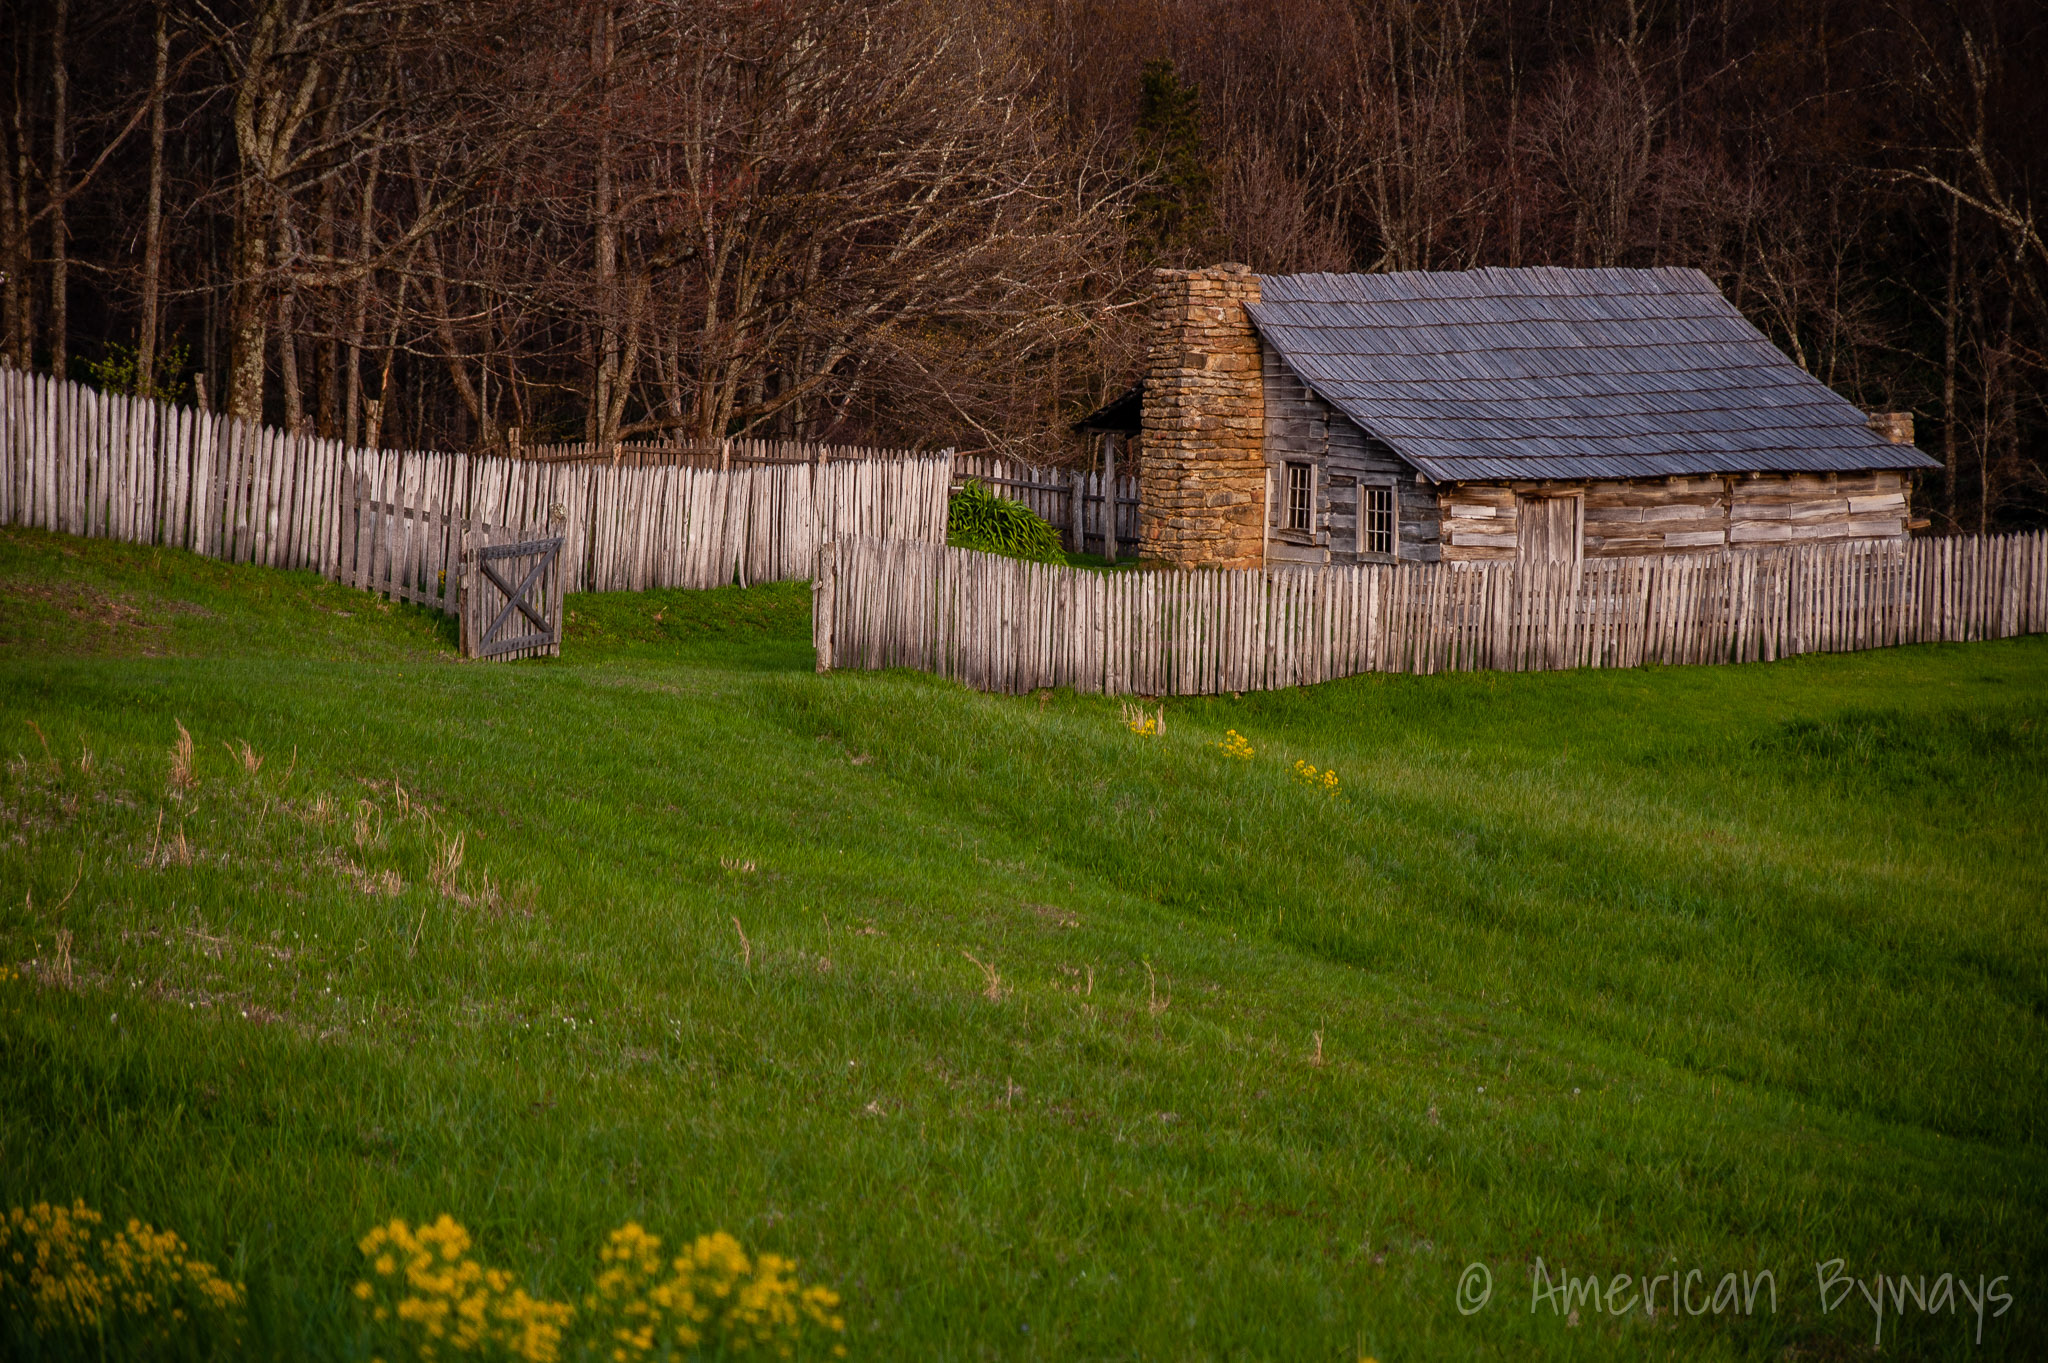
(1477,522)
(1684,515)
(1301,427)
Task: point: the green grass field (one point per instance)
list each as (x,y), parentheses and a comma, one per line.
(1639,972)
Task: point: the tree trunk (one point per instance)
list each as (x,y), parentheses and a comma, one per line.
(352,380)
(248,310)
(60,257)
(373,426)
(327,351)
(359,322)
(13,256)
(281,77)
(603,404)
(153,210)
(451,350)
(1948,364)
(288,363)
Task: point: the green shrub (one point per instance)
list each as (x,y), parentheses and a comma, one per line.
(978,519)
(121,371)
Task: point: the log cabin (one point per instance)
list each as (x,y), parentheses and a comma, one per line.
(1538,414)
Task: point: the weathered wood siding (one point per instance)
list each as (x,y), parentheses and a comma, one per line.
(1684,515)
(1302,428)
(1480,522)
(1806,507)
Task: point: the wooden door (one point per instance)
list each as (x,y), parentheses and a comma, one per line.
(1548,528)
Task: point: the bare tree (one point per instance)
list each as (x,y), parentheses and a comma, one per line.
(59,193)
(913,221)
(153,207)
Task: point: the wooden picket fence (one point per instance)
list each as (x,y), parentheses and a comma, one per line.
(629,529)
(705,454)
(1069,500)
(1000,624)
(83,462)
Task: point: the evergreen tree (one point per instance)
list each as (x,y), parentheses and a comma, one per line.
(1172,216)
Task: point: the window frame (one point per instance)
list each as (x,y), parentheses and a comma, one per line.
(1298,475)
(1362,545)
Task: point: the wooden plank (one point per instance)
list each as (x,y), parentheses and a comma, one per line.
(124,479)
(141,421)
(65,454)
(176,439)
(13,410)
(47,424)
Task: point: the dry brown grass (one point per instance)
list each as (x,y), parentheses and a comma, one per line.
(44,739)
(1139,720)
(182,778)
(993,989)
(447,863)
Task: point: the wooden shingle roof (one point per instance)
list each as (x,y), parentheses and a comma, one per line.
(1553,373)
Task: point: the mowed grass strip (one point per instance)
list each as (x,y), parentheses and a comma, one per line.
(1036,1037)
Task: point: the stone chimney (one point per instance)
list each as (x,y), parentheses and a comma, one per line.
(1202,476)
(1896,427)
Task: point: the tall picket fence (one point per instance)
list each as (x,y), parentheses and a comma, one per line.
(1000,624)
(1070,500)
(76,460)
(706,454)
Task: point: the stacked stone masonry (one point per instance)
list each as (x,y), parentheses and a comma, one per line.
(1202,481)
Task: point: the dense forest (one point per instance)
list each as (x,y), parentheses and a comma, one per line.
(928,223)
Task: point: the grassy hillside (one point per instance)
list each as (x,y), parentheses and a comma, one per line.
(1037,1037)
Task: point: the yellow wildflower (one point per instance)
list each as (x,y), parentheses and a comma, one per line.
(139,1283)
(1139,722)
(1325,781)
(712,1292)
(434,1296)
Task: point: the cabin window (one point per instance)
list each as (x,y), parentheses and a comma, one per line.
(1300,497)
(1376,519)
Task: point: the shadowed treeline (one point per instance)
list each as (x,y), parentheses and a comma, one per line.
(899,222)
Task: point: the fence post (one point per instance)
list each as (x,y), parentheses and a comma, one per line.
(1109,497)
(824,584)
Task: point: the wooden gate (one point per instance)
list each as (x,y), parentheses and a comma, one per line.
(512,596)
